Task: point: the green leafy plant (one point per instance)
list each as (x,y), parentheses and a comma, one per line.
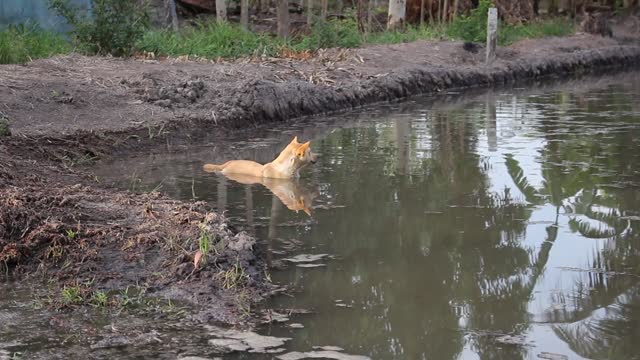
(24,42)
(472,27)
(330,33)
(100,299)
(4,126)
(113,27)
(72,296)
(71,234)
(209,40)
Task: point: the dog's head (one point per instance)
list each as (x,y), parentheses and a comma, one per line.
(303,153)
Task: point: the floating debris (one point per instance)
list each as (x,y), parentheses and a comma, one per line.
(328,348)
(227,341)
(552,356)
(513,340)
(321,355)
(296,326)
(310,265)
(119,340)
(632,218)
(597,271)
(306,258)
(271,316)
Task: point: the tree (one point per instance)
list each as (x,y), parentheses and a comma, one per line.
(244,14)
(221,11)
(283,18)
(397,10)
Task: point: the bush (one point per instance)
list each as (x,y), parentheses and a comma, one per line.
(113,27)
(209,40)
(24,42)
(555,27)
(330,33)
(472,27)
(4,126)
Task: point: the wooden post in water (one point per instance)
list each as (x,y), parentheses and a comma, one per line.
(492,34)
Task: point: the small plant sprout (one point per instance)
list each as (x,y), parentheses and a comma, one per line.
(100,299)
(71,296)
(71,234)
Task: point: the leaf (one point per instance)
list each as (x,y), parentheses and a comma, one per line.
(197,258)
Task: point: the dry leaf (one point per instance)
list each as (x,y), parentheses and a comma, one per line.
(197,258)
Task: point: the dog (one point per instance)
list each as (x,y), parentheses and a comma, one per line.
(287,165)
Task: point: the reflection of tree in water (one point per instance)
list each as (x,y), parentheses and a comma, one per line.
(610,332)
(468,255)
(587,176)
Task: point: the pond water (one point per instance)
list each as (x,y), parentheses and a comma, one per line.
(496,225)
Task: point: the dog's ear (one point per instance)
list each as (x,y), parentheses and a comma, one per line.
(302,148)
(307,211)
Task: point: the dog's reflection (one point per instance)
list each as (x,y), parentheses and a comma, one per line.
(292,194)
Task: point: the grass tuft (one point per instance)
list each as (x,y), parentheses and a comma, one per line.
(25,42)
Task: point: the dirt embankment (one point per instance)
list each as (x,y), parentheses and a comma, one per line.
(66,111)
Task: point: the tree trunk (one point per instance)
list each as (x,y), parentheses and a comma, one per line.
(370,12)
(264,6)
(244,14)
(455,9)
(173,14)
(325,9)
(283,18)
(361,15)
(339,6)
(430,6)
(536,7)
(397,10)
(221,11)
(309,12)
(422,13)
(444,11)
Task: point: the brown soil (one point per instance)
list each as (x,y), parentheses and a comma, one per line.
(68,110)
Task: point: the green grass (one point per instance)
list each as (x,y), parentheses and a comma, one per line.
(555,27)
(19,44)
(4,126)
(209,40)
(72,296)
(411,33)
(22,43)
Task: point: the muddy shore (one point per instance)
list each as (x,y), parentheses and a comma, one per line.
(58,223)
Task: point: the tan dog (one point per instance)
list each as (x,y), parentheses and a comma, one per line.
(286,166)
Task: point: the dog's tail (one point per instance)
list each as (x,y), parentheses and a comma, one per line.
(214,168)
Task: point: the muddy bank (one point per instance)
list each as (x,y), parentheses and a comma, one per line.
(58,228)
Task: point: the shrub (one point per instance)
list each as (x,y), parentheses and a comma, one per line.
(330,33)
(4,126)
(209,40)
(24,42)
(472,27)
(113,27)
